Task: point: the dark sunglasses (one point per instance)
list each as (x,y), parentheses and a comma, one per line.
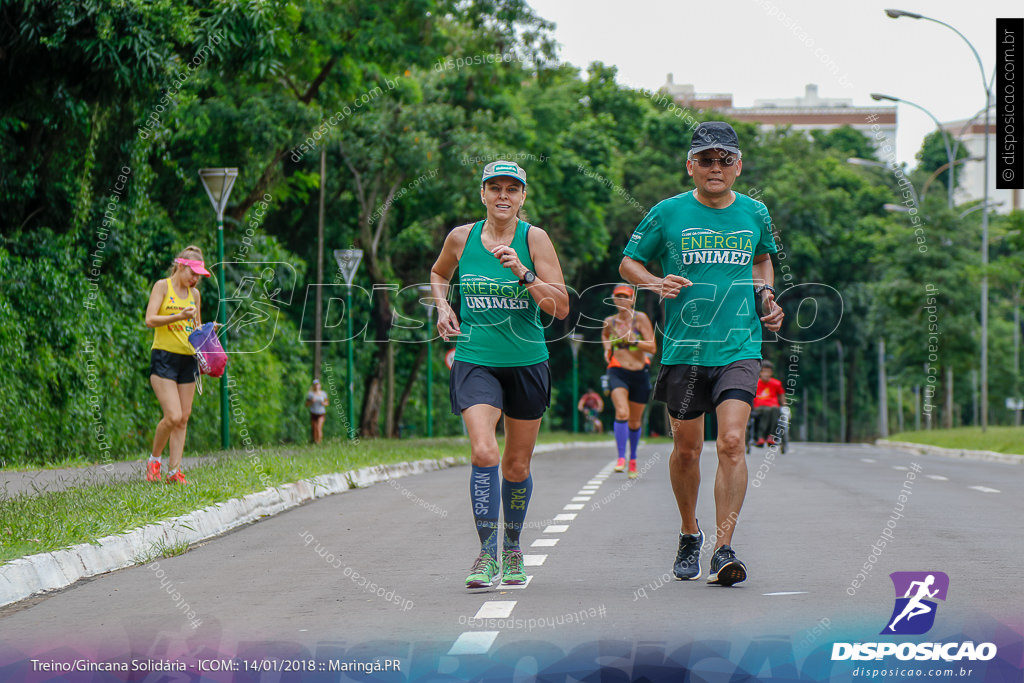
(708,163)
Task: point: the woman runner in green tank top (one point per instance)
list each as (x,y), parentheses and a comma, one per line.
(508,273)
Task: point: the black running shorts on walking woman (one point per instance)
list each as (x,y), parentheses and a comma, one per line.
(636,382)
(522,392)
(689,391)
(173,366)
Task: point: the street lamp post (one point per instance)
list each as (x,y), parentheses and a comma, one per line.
(218,183)
(896,14)
(429,305)
(348,260)
(878,97)
(575,339)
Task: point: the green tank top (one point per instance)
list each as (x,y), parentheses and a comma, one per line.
(500,321)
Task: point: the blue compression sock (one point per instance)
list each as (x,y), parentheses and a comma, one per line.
(634,441)
(621,435)
(484,492)
(515,498)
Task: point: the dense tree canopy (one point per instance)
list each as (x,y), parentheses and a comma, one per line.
(110,109)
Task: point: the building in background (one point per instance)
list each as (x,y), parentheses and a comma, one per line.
(970,175)
(806,113)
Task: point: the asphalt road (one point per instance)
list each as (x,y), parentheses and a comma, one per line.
(380,571)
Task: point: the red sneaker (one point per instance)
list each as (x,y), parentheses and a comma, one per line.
(621,465)
(632,469)
(153,471)
(771,440)
(760,442)
(177,478)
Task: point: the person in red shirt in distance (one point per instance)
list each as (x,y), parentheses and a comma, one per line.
(768,403)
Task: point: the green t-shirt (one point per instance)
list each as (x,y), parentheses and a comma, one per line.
(714,322)
(500,321)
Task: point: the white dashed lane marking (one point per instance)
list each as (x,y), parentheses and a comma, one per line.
(544,543)
(473,643)
(534,560)
(581,499)
(901,468)
(787,593)
(867,460)
(495,609)
(937,477)
(983,489)
(556,528)
(565,517)
(574,506)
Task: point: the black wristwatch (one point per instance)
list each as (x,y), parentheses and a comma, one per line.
(528,277)
(758,290)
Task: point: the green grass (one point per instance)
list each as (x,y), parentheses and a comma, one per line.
(998,439)
(51,521)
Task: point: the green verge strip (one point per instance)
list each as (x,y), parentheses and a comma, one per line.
(31,524)
(1008,440)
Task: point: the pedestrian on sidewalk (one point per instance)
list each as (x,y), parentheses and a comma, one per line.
(508,273)
(317,402)
(174,312)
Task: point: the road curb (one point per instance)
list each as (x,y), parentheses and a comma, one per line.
(28,576)
(924,449)
(35,574)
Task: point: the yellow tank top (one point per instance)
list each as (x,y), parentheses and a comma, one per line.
(174,337)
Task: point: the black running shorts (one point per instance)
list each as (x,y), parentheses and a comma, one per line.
(636,382)
(689,391)
(173,366)
(522,392)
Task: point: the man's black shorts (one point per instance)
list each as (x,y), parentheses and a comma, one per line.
(174,366)
(689,391)
(522,392)
(636,382)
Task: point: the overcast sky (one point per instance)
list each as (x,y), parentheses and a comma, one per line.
(757,49)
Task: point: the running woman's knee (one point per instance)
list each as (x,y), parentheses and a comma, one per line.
(621,415)
(182,420)
(634,424)
(513,470)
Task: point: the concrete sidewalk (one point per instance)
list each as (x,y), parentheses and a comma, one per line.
(34,482)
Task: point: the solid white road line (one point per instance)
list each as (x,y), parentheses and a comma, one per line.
(787,593)
(534,560)
(556,528)
(473,643)
(984,489)
(544,543)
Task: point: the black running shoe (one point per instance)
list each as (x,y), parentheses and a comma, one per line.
(725,568)
(687,564)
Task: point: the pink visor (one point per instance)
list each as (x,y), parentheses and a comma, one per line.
(197,266)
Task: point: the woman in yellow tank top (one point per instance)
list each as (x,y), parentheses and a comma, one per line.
(173,312)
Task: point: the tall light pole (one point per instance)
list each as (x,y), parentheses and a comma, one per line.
(429,305)
(218,183)
(878,97)
(575,339)
(896,14)
(348,260)
(883,401)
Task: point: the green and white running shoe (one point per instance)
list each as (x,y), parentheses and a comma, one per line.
(512,573)
(484,572)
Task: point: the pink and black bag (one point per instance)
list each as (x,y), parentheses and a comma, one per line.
(210,354)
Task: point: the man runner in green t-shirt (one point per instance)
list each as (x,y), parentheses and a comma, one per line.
(714,247)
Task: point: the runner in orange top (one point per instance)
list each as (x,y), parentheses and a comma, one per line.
(628,337)
(768,402)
